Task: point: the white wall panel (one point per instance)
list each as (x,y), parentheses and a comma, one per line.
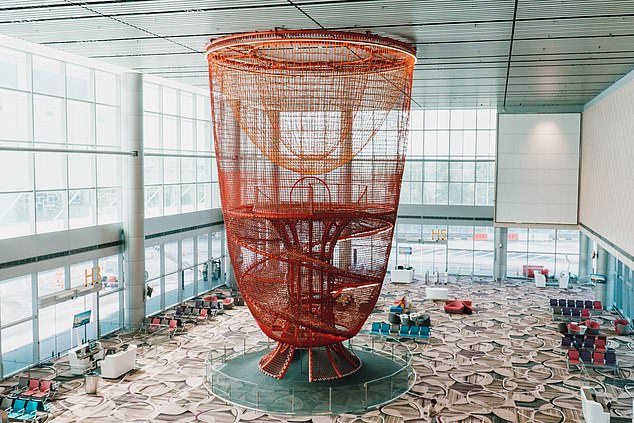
(537,168)
(606,204)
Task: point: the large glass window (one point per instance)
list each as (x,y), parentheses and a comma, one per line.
(17,347)
(109,313)
(78,274)
(16,299)
(176,123)
(66,106)
(450,159)
(555,250)
(14,115)
(51,281)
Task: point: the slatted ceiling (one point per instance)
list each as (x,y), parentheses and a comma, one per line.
(345,14)
(124,47)
(561,80)
(564,53)
(587,49)
(72,29)
(570,28)
(219,22)
(465,50)
(539,9)
(43,14)
(168,6)
(157,61)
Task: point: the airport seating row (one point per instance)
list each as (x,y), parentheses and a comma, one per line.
(576,303)
(589,358)
(590,342)
(401,331)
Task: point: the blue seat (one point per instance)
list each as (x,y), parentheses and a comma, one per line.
(385,328)
(413,331)
(30,411)
(376,328)
(17,409)
(396,309)
(404,331)
(424,332)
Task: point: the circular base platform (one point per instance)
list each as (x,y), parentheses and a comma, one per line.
(380,380)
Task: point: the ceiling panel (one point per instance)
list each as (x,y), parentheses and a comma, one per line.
(548,9)
(564,52)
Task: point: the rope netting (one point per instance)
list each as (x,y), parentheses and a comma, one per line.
(310,130)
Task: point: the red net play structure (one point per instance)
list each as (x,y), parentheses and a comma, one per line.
(310,130)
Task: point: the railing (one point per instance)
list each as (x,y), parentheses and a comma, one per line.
(291,398)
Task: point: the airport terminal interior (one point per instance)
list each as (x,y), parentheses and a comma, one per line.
(317,211)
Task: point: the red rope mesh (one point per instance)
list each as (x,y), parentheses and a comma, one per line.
(310,131)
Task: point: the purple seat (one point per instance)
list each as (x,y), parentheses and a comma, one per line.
(610,358)
(575,312)
(566,311)
(588,342)
(579,303)
(566,341)
(553,302)
(586,356)
(571,303)
(562,303)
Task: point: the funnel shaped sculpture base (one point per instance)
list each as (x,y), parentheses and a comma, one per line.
(324,363)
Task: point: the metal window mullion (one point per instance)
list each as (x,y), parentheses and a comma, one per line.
(196,264)
(162,273)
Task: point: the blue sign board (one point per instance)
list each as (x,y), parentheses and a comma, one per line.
(81,319)
(407,251)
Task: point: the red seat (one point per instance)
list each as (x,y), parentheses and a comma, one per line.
(599,344)
(173,325)
(204,313)
(593,327)
(156,322)
(34,387)
(45,388)
(574,329)
(598,358)
(454,307)
(227,303)
(597,305)
(573,357)
(585,312)
(622,327)
(210,298)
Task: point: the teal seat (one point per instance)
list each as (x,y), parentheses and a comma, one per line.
(404,331)
(385,328)
(376,328)
(413,331)
(424,332)
(17,410)
(30,411)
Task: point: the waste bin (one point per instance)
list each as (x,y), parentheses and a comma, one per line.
(92,382)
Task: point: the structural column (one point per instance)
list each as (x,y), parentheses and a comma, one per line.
(606,266)
(134,219)
(603,259)
(585,256)
(500,241)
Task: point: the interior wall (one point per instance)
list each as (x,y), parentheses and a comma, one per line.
(537,169)
(606,203)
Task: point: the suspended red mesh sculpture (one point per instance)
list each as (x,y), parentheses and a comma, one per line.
(310,131)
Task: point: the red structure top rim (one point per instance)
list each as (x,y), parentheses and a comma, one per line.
(324,36)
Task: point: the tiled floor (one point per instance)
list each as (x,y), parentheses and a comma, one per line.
(503,363)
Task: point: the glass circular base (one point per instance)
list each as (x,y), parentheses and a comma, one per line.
(386,374)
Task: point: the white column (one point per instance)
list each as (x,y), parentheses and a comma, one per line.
(585,256)
(500,239)
(134,219)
